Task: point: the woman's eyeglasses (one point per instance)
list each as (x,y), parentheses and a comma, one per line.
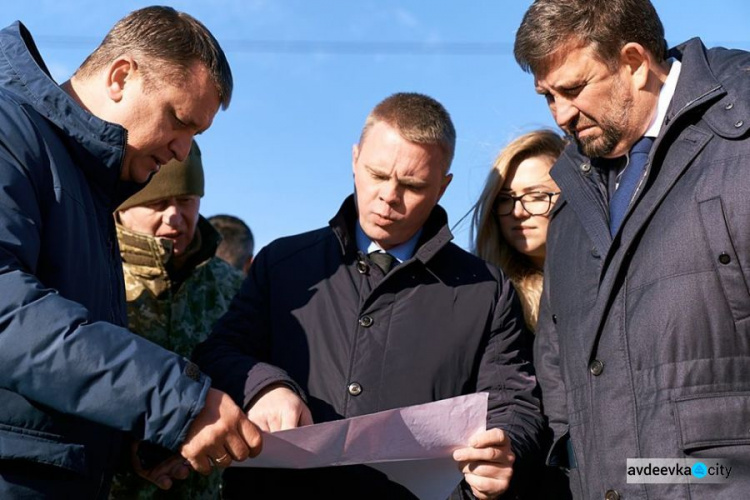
(535,202)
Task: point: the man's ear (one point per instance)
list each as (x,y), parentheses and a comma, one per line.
(444,185)
(355,155)
(634,59)
(121,71)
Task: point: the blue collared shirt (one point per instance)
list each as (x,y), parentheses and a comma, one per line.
(401,252)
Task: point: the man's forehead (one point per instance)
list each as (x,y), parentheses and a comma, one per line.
(566,64)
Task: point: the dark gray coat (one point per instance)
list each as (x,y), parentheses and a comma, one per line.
(315,312)
(643,345)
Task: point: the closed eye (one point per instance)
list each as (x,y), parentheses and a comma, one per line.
(180,123)
(572,90)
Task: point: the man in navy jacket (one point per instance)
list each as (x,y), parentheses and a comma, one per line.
(331,317)
(643,343)
(73,380)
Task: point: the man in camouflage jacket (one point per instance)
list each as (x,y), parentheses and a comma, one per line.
(175,285)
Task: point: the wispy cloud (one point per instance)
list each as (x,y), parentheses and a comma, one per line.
(406,18)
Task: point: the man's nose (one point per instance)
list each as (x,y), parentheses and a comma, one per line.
(171,215)
(389,192)
(564,112)
(180,146)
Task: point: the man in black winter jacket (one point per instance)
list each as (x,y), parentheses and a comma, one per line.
(328,325)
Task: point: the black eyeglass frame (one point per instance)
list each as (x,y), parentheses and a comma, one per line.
(496,205)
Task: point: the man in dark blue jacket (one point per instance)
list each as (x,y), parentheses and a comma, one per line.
(643,343)
(379,310)
(73,380)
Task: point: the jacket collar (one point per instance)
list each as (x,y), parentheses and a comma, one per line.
(435,232)
(582,187)
(713,74)
(701,87)
(697,86)
(96,146)
(697,89)
(148,257)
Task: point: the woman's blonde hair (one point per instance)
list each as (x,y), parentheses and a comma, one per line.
(489,243)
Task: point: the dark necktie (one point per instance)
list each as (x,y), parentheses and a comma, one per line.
(620,201)
(383,260)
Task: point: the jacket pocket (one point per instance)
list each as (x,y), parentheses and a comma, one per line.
(713,420)
(575,467)
(41,447)
(723,252)
(562,457)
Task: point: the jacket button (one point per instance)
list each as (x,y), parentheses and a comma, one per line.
(366,321)
(361,267)
(611,495)
(739,124)
(192,371)
(596,368)
(724,258)
(354,389)
(729,106)
(585,168)
(595,253)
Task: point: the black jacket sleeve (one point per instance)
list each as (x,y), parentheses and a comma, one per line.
(234,354)
(507,373)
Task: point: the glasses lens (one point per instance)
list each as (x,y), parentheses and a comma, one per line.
(536,203)
(504,205)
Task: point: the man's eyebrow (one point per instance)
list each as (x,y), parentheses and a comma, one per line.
(377,171)
(412,181)
(189,122)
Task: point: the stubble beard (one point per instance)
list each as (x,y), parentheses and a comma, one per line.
(600,145)
(615,117)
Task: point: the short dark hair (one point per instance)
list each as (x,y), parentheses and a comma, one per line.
(171,40)
(237,244)
(418,118)
(606,24)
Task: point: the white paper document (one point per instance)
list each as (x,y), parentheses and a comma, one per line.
(412,445)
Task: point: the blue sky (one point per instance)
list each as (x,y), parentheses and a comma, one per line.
(308,72)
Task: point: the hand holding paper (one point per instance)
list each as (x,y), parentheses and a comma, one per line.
(412,445)
(278,408)
(487,464)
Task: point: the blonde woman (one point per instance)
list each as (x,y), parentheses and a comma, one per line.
(511,217)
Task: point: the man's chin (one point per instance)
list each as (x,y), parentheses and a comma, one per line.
(598,146)
(380,236)
(141,174)
(593,148)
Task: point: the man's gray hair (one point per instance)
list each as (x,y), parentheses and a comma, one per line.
(608,25)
